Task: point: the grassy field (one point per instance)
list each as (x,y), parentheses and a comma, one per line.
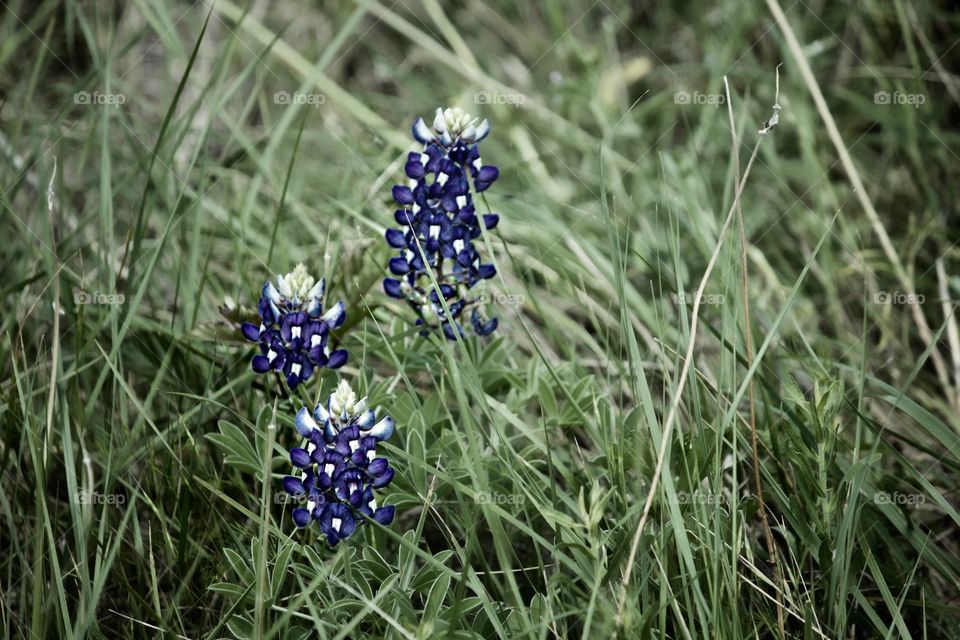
(723,399)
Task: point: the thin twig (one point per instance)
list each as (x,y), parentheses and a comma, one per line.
(672,414)
(748,344)
(861,192)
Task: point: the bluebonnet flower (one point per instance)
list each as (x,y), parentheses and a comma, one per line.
(439,225)
(339,467)
(294,330)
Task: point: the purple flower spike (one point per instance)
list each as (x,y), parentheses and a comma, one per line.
(439,225)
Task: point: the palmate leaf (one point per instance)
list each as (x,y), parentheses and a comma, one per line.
(238,449)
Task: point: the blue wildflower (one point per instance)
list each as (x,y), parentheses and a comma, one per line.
(294,331)
(439,225)
(339,466)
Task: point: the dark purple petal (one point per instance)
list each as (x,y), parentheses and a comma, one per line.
(383,479)
(337,359)
(449,332)
(377,466)
(414,168)
(399,266)
(301,517)
(486,328)
(260,364)
(392,288)
(488,174)
(402,194)
(345,437)
(490,220)
(299,457)
(384,515)
(293,486)
(250,331)
(395,238)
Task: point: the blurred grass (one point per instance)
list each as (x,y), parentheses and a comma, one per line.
(141,457)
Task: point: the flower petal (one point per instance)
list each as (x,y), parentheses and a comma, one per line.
(260,364)
(392,287)
(335,316)
(304,423)
(395,238)
(402,194)
(299,457)
(337,359)
(383,479)
(421,132)
(250,331)
(293,486)
(301,517)
(384,515)
(383,429)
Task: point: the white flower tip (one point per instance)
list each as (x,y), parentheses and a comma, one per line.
(422,132)
(439,122)
(483,130)
(298,284)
